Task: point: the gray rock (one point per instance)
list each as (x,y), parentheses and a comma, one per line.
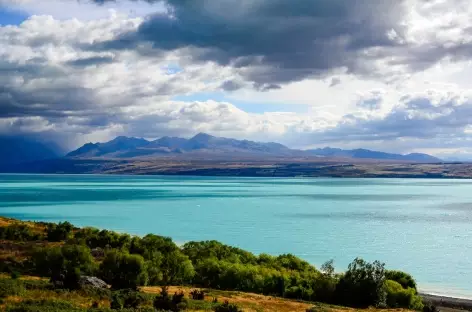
(92,281)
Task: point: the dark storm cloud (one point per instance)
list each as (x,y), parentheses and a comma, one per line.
(90,61)
(55,101)
(271,41)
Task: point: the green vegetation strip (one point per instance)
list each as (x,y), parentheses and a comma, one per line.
(66,254)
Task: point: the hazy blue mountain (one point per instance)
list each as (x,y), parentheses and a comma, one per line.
(422,157)
(369,154)
(205,144)
(124,147)
(114,147)
(19,150)
(203,141)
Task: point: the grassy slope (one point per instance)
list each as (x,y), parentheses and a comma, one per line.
(247,301)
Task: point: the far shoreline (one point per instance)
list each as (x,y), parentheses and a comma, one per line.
(270,168)
(197,175)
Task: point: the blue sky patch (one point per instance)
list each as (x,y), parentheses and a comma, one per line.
(249,107)
(10,17)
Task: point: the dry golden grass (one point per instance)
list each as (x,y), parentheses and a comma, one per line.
(248,302)
(5,222)
(258,303)
(76,298)
(35,227)
(21,250)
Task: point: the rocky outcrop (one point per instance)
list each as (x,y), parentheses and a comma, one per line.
(92,281)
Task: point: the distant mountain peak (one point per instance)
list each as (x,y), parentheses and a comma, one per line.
(202,136)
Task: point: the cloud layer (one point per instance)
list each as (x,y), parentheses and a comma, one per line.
(368,73)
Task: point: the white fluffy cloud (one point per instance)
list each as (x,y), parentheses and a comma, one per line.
(81,9)
(60,76)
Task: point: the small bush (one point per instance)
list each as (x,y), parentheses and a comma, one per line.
(175,303)
(430,307)
(227,307)
(15,275)
(127,298)
(197,294)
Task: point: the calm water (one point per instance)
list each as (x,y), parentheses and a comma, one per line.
(420,226)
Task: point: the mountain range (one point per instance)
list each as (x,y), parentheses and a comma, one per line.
(17,150)
(207,145)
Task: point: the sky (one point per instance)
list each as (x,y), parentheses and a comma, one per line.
(385,75)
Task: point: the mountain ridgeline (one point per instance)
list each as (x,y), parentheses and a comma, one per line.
(207,145)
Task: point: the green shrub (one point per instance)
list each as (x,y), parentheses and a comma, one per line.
(197,294)
(398,297)
(126,298)
(430,307)
(227,307)
(175,303)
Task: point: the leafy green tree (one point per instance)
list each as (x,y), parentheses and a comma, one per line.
(290,262)
(64,265)
(123,270)
(328,268)
(213,249)
(151,244)
(176,268)
(59,232)
(362,285)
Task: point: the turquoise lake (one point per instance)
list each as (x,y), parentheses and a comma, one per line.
(420,226)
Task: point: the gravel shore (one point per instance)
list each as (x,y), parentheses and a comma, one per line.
(449,302)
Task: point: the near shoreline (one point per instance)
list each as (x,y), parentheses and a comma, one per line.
(449,302)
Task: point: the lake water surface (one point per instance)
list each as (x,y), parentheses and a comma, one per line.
(417,225)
